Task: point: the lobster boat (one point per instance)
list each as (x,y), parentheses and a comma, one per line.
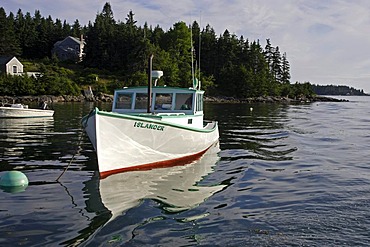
(150,127)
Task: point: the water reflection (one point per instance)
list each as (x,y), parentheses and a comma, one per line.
(23,137)
(259,134)
(175,189)
(17,127)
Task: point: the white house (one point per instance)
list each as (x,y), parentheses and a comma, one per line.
(10,65)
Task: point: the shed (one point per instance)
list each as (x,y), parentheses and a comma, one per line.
(10,65)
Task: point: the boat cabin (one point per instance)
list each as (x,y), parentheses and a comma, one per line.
(167,103)
(164,100)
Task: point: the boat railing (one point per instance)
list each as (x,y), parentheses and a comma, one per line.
(170,114)
(19,106)
(209,124)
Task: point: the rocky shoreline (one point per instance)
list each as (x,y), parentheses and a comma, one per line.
(274,99)
(220,99)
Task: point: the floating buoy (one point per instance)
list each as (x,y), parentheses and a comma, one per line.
(13,181)
(251,109)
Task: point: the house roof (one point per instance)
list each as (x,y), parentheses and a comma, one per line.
(5,59)
(75,39)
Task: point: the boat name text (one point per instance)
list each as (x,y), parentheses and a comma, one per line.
(148,126)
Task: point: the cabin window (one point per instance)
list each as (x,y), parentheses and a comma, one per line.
(184,101)
(199,102)
(163,101)
(15,69)
(141,101)
(124,100)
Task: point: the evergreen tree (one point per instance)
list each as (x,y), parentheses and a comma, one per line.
(285,69)
(67,30)
(157,37)
(58,32)
(178,40)
(76,29)
(209,51)
(269,53)
(235,66)
(99,46)
(27,35)
(276,65)
(9,44)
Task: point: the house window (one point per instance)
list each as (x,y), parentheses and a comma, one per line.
(15,69)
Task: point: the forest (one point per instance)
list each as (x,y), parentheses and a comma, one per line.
(337,90)
(116,53)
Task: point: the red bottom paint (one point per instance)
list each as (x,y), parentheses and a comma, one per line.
(160,164)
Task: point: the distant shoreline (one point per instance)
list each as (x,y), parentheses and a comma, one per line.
(274,99)
(215,99)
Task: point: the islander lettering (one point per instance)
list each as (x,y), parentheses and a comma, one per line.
(148,126)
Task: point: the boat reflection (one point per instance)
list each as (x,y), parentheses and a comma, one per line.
(175,187)
(23,137)
(14,127)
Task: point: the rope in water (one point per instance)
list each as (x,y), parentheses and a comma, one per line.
(70,162)
(84,124)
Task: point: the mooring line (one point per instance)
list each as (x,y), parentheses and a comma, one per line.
(65,169)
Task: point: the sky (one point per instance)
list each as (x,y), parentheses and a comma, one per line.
(326,41)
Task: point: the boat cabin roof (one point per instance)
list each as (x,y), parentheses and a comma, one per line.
(133,100)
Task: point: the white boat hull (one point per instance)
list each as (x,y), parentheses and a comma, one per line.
(13,112)
(125,142)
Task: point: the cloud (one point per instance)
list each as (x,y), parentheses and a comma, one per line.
(326,41)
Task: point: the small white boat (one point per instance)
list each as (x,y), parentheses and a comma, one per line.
(22,111)
(150,127)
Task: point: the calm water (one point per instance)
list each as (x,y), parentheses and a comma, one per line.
(285,175)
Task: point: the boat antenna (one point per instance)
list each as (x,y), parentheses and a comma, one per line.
(192,56)
(200,43)
(150,83)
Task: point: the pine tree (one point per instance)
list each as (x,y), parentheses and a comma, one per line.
(209,51)
(285,69)
(28,36)
(99,45)
(276,65)
(9,44)
(76,29)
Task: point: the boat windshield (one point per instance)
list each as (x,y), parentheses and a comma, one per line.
(163,101)
(124,100)
(199,100)
(141,101)
(184,101)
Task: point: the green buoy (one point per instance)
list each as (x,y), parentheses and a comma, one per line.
(13,181)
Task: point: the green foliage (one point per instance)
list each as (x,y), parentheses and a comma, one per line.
(9,44)
(302,89)
(336,90)
(17,85)
(53,81)
(116,53)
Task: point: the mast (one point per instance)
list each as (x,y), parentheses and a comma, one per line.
(150,83)
(192,55)
(200,40)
